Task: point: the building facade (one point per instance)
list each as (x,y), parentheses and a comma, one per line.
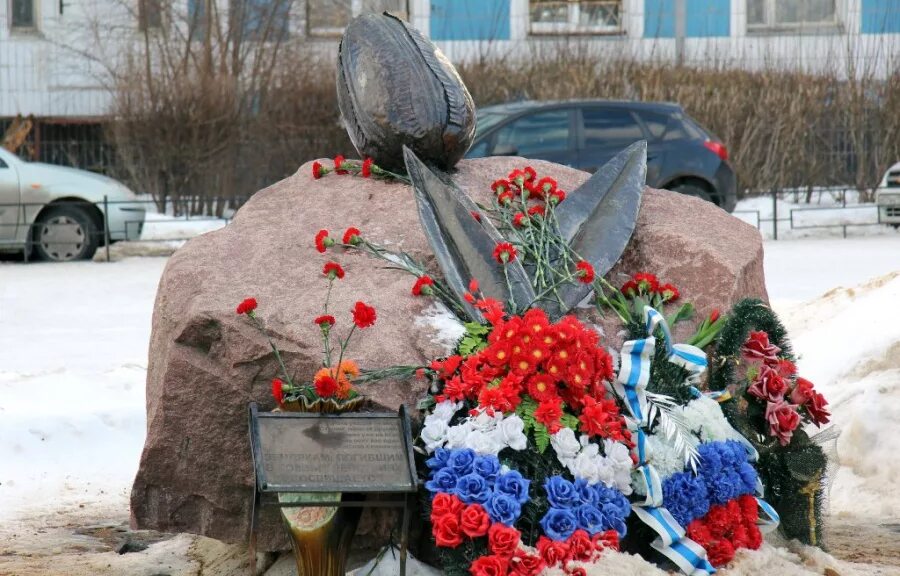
(55,55)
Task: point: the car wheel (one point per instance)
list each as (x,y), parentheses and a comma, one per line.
(65,233)
(693,190)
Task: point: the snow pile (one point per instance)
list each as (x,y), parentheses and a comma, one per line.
(159,227)
(848,343)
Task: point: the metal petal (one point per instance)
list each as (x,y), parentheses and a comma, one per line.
(598,218)
(463,246)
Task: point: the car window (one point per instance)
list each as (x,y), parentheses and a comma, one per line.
(540,132)
(605,126)
(654,121)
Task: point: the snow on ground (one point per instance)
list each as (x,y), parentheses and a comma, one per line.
(800,220)
(165,227)
(74,339)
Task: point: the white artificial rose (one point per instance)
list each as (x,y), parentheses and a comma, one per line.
(605,472)
(485,422)
(565,445)
(483,443)
(511,432)
(619,459)
(434,434)
(456,435)
(445,410)
(585,467)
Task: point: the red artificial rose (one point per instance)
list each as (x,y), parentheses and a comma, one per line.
(576,571)
(489,566)
(669,292)
(338,162)
(323,241)
(325,321)
(503,540)
(580,546)
(278,390)
(333,270)
(524,564)
(318,170)
(783,419)
(768,385)
(758,347)
(816,406)
(445,530)
(474,521)
(367,167)
(423,286)
(802,391)
(552,552)
(352,236)
(326,386)
(247,306)
(363,315)
(786,368)
(444,503)
(585,272)
(504,252)
(720,552)
(606,540)
(557,196)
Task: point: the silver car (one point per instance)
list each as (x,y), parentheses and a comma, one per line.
(60,213)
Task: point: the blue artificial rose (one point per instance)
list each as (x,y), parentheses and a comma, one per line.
(439,459)
(515,485)
(462,461)
(748,478)
(559,523)
(686,497)
(615,499)
(561,493)
(591,519)
(472,489)
(503,508)
(487,467)
(586,492)
(444,480)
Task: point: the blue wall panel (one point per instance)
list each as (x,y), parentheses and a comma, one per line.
(880,17)
(469,19)
(703,19)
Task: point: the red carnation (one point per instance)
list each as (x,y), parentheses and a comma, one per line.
(318,170)
(326,386)
(338,162)
(505,198)
(530,174)
(363,315)
(721,552)
(504,252)
(352,236)
(474,521)
(278,390)
(546,185)
(585,272)
(489,566)
(473,285)
(503,540)
(520,219)
(537,211)
(323,242)
(630,289)
(247,306)
(517,177)
(333,270)
(326,321)
(367,167)
(557,196)
(500,186)
(423,286)
(669,292)
(647,282)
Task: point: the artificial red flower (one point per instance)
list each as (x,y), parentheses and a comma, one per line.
(363,315)
(816,407)
(318,170)
(503,540)
(542,387)
(758,347)
(783,419)
(491,309)
(323,241)
(552,552)
(444,503)
(447,367)
(720,552)
(602,418)
(524,564)
(333,270)
(474,521)
(325,321)
(557,196)
(338,162)
(367,167)
(247,306)
(326,386)
(585,272)
(669,292)
(500,186)
(489,566)
(446,531)
(352,236)
(278,390)
(520,219)
(786,368)
(423,286)
(606,540)
(576,571)
(580,546)
(548,413)
(504,252)
(768,385)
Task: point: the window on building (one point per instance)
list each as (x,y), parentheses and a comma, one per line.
(533,134)
(791,14)
(263,20)
(150,14)
(575,16)
(329,17)
(23,15)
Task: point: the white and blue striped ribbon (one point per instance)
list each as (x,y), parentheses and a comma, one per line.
(672,543)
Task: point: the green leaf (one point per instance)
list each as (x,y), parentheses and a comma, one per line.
(684,313)
(570,421)
(426,403)
(476,329)
(541,437)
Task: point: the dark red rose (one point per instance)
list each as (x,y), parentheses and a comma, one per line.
(816,406)
(474,521)
(503,540)
(758,347)
(768,385)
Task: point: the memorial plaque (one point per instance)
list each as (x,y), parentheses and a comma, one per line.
(301,452)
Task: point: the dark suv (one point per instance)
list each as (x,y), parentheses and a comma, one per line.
(681,155)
